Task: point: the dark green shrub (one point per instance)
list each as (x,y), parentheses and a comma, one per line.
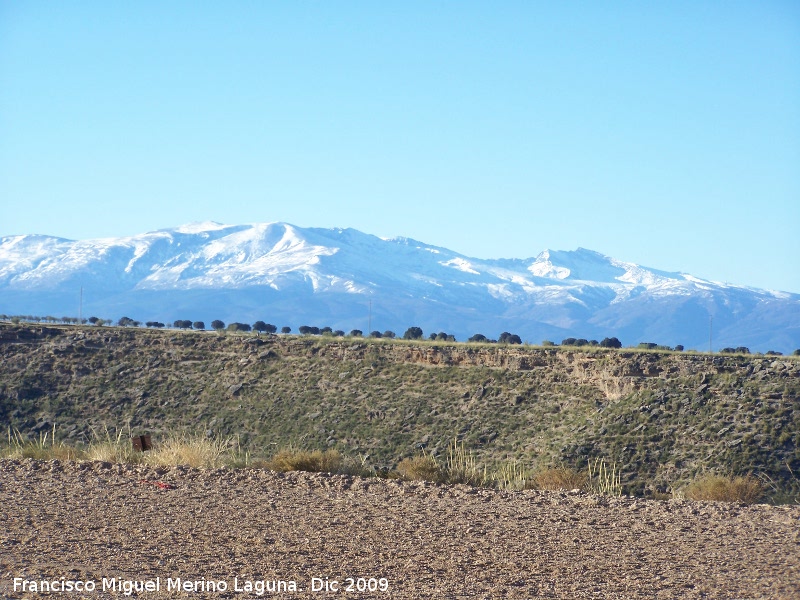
(509,338)
(611,343)
(412,333)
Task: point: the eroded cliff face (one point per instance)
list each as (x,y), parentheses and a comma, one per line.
(621,369)
(624,363)
(661,416)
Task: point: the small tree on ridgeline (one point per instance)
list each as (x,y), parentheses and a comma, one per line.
(198,325)
(286,329)
(412,333)
(611,343)
(356,333)
(443,337)
(389,334)
(217,325)
(509,338)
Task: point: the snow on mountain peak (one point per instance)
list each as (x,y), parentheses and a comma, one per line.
(293,271)
(199,227)
(460,264)
(544,267)
(580,264)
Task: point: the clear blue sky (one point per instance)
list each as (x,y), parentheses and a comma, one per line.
(666,134)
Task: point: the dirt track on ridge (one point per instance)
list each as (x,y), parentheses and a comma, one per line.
(89,521)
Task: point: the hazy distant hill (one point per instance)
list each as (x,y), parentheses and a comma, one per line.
(295,276)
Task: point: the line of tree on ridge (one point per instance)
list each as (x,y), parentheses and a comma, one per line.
(412,333)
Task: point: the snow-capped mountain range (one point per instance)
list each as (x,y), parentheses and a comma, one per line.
(346,279)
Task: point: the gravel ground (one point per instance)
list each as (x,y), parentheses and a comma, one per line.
(244,529)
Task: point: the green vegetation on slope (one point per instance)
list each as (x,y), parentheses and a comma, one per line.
(663,418)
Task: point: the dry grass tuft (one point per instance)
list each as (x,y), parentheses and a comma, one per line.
(459,467)
(603,480)
(558,478)
(511,475)
(462,468)
(44,447)
(420,468)
(116,449)
(746,490)
(194,451)
(314,461)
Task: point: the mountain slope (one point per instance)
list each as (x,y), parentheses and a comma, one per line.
(329,277)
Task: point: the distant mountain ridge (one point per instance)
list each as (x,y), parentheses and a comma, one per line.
(347,279)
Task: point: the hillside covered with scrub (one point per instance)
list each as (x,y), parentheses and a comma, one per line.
(663,418)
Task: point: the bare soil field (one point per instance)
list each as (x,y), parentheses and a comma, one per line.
(244,533)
